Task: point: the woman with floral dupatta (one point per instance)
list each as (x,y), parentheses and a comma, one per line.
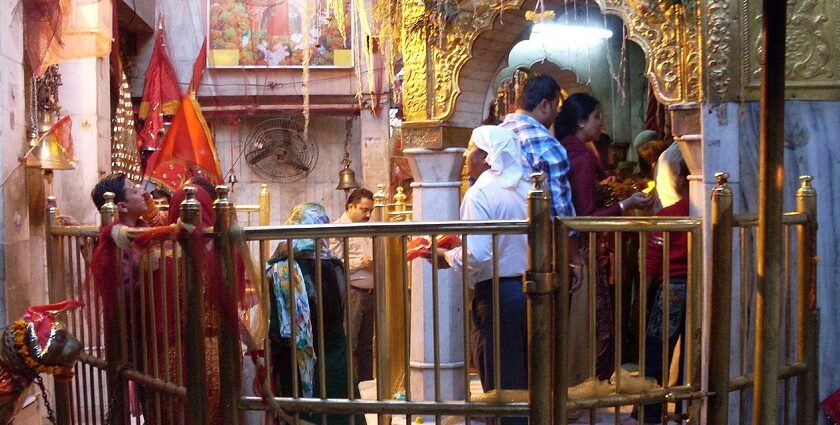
(295,282)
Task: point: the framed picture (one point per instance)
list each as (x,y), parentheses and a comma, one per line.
(270,33)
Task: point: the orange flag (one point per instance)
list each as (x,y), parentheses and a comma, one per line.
(161,92)
(187,150)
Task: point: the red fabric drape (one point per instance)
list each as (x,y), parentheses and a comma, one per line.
(188,149)
(161,92)
(198,68)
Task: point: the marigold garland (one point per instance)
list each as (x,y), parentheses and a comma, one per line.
(20,329)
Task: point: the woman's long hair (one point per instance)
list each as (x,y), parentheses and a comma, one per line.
(576,108)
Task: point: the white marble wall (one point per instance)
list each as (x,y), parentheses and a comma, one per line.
(811,131)
(12,118)
(319,186)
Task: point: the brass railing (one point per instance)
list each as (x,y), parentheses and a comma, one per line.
(798,335)
(100,389)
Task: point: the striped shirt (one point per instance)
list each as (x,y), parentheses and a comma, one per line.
(544,153)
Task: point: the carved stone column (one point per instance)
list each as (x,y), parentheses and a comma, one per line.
(436,197)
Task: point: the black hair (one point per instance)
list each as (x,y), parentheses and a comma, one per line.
(114,183)
(357,195)
(204,183)
(492,117)
(160,193)
(576,108)
(535,89)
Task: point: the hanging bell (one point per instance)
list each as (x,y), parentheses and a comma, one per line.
(346,177)
(48,153)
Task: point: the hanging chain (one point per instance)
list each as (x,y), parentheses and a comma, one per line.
(348,132)
(33,109)
(50,416)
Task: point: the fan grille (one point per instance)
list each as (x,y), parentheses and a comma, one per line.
(276,150)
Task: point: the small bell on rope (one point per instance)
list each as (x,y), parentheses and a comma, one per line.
(347,177)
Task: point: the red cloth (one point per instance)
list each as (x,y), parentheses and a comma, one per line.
(43,317)
(161,92)
(831,405)
(188,149)
(419,247)
(203,198)
(678,245)
(62,133)
(198,68)
(584,176)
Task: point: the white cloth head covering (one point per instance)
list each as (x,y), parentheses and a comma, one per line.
(503,153)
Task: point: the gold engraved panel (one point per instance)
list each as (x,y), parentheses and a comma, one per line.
(434,134)
(668,33)
(721,25)
(813,45)
(416,67)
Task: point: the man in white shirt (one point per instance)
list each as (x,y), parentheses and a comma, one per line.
(667,176)
(498,194)
(362,302)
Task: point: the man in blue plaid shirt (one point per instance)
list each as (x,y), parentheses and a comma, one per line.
(536,109)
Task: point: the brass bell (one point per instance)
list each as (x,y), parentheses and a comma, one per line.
(346,177)
(48,154)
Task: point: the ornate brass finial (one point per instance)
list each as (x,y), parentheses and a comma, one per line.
(222,192)
(721,178)
(380,198)
(538,179)
(805,188)
(400,199)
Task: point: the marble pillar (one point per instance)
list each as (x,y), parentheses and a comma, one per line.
(14,240)
(436,197)
(85,96)
(730,131)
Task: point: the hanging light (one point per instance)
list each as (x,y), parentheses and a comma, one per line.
(552,31)
(347,177)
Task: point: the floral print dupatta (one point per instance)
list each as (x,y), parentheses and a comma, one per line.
(290,287)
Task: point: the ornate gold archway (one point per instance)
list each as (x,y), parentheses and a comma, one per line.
(434,55)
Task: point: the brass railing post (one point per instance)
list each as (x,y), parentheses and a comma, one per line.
(721,301)
(381,364)
(264,217)
(769,234)
(56,293)
(807,314)
(194,339)
(539,287)
(229,346)
(115,334)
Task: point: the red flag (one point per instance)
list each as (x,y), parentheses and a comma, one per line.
(161,92)
(187,150)
(61,131)
(198,68)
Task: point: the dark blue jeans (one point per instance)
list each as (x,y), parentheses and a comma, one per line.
(655,336)
(513,329)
